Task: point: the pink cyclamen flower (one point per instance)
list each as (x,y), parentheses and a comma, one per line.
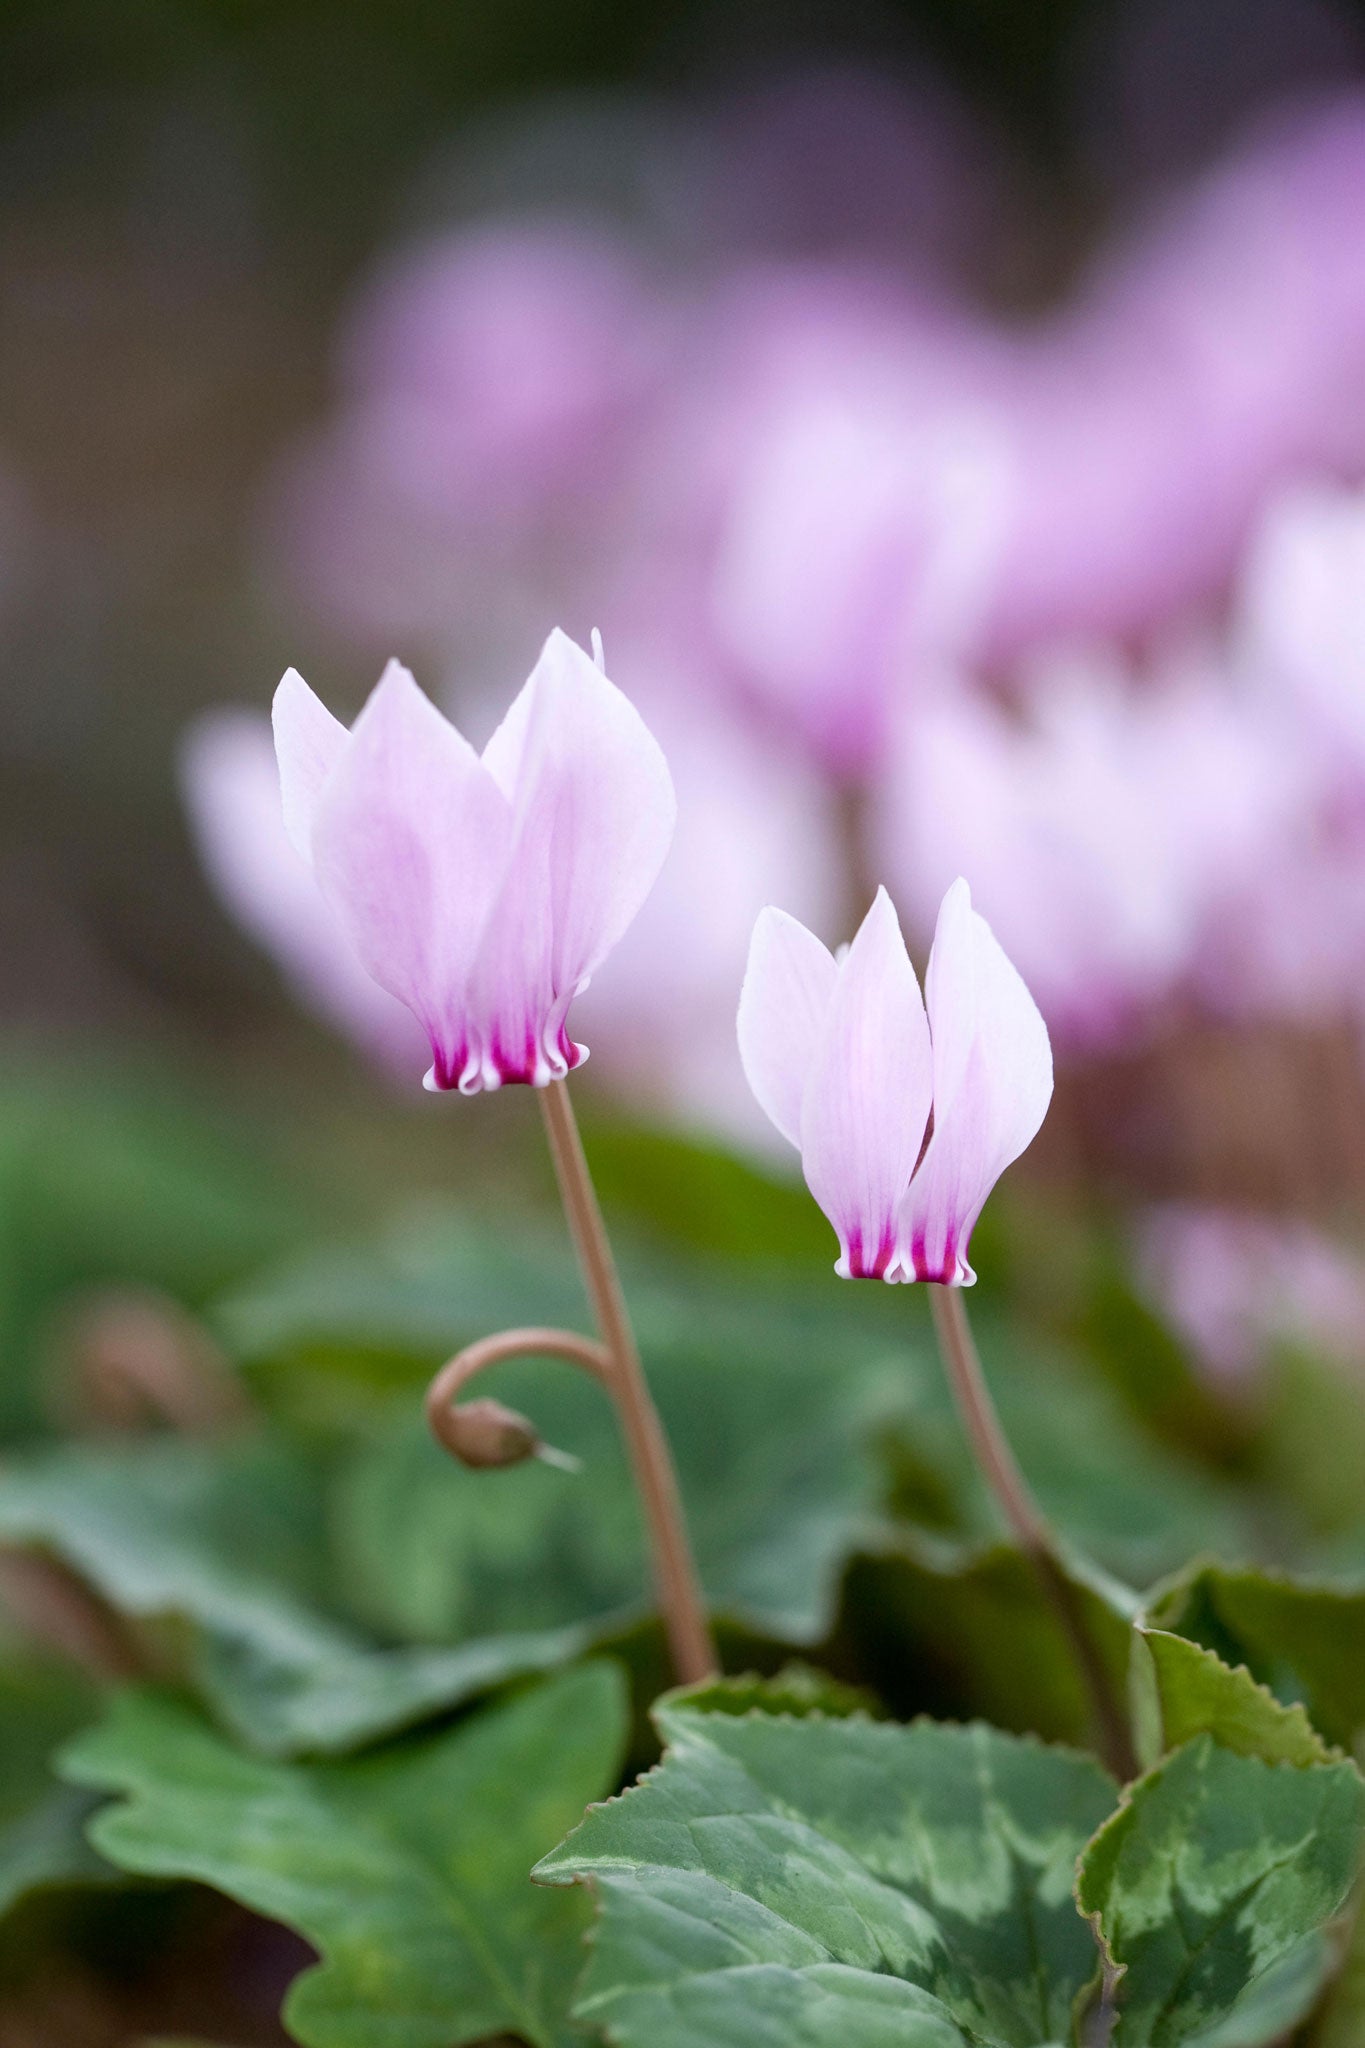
(844,1059)
(481,890)
(232,794)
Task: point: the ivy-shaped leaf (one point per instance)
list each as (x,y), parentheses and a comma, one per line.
(838,1884)
(1180,1690)
(1215,1887)
(406,1869)
(219,1540)
(772,1391)
(773,1404)
(796,1690)
(1304,1638)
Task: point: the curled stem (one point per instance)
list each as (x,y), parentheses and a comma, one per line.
(675,1574)
(1031,1528)
(484,1433)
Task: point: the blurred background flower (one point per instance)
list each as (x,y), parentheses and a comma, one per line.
(958,437)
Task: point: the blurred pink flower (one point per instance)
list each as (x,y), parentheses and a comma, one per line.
(481,890)
(1301,617)
(1292,943)
(1107,823)
(822,500)
(1205,360)
(494,383)
(232,793)
(842,1057)
(815,451)
(754,824)
(1237,1284)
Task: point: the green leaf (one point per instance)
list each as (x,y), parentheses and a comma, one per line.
(838,1884)
(691,1193)
(791,1404)
(1116,1492)
(1303,1638)
(1340,2021)
(406,1869)
(773,1402)
(1215,1887)
(797,1690)
(113,1176)
(226,1543)
(1180,1690)
(1311,1437)
(42,1822)
(973,1636)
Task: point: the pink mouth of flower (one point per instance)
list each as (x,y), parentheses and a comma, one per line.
(527,1065)
(446,1068)
(945,1272)
(860,1266)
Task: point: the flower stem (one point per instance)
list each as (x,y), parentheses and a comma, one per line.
(675,1574)
(1030,1526)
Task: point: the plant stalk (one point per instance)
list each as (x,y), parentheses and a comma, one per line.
(1030,1526)
(675,1573)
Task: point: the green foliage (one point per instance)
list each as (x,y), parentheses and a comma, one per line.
(687,1191)
(796,1404)
(111,1177)
(1340,2021)
(797,1690)
(1215,1886)
(838,1883)
(935,1630)
(799,1873)
(42,1822)
(220,1546)
(407,1870)
(1303,1638)
(773,1403)
(1311,1441)
(1181,1690)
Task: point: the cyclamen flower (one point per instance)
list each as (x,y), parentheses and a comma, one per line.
(231,788)
(843,1057)
(481,890)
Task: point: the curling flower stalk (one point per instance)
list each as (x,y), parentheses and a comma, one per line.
(851,1066)
(482,890)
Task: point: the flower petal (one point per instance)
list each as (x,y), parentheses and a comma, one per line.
(866,1103)
(308,744)
(593,810)
(788,987)
(232,793)
(992,1086)
(411,841)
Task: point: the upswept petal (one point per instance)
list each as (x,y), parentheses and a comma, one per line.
(411,840)
(308,744)
(231,787)
(867,1101)
(593,813)
(789,985)
(992,1085)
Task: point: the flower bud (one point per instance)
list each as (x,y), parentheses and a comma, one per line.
(484,1434)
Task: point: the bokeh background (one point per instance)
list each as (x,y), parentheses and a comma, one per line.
(952,416)
(951,412)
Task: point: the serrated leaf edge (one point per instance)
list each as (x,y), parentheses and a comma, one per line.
(1294,1711)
